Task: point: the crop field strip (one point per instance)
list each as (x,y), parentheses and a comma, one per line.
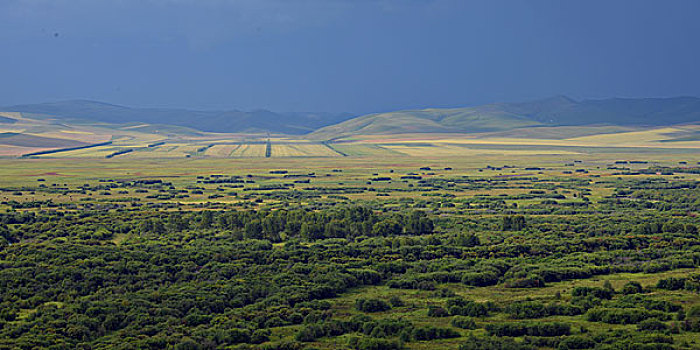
(540,140)
(302,150)
(327,144)
(250,150)
(364,150)
(222,150)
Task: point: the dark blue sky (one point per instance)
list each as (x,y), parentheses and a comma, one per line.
(344,55)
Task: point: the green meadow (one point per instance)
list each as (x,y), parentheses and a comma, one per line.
(377,244)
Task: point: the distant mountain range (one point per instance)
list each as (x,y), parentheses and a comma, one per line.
(555,111)
(212,121)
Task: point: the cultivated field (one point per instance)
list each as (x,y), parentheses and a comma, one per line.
(415,241)
(33,138)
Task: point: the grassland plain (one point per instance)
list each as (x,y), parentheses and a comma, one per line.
(451,241)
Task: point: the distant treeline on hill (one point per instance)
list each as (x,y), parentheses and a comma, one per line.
(66,149)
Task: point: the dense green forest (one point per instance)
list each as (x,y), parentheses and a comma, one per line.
(564,262)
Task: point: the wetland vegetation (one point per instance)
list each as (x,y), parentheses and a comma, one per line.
(413,253)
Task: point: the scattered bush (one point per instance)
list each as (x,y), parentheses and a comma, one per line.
(651,325)
(463,322)
(436,311)
(371,305)
(491,343)
(516,329)
(623,315)
(631,287)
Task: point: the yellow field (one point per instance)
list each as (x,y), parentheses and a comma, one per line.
(181,148)
(16,151)
(302,150)
(644,138)
(100,152)
(249,150)
(364,150)
(170,150)
(221,150)
(534,141)
(9,128)
(15,115)
(451,150)
(83,136)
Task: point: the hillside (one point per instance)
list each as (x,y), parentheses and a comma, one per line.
(554,125)
(555,111)
(458,120)
(26,140)
(212,121)
(496,117)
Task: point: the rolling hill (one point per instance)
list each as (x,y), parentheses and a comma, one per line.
(457,120)
(496,117)
(211,121)
(555,111)
(26,140)
(83,128)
